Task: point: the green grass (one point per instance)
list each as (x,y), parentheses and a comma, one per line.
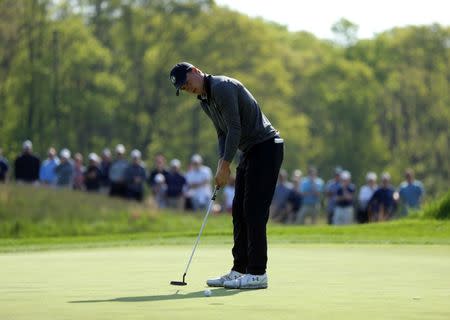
(439,209)
(69,255)
(306,281)
(42,219)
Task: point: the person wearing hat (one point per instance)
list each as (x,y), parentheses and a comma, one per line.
(365,193)
(383,202)
(343,209)
(176,183)
(64,171)
(118,187)
(93,174)
(105,165)
(135,176)
(240,124)
(27,165)
(198,184)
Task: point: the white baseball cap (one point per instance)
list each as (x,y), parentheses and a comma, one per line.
(386,176)
(196,158)
(93,157)
(175,163)
(371,176)
(27,144)
(120,149)
(65,153)
(135,154)
(345,175)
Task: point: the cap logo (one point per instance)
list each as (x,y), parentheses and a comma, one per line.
(173,79)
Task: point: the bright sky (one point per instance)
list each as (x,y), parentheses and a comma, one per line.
(317,16)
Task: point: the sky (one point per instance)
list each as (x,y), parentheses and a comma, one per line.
(372,17)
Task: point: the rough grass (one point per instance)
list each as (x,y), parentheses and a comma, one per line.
(38,219)
(439,209)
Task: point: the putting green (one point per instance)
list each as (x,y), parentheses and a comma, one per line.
(305,282)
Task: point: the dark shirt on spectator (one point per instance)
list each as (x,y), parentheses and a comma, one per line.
(104,169)
(27,168)
(175,184)
(92,178)
(4,167)
(340,192)
(153,173)
(135,177)
(383,197)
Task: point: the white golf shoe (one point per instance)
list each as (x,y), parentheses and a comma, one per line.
(218,282)
(248,281)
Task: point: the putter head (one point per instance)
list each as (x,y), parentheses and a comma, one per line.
(178,283)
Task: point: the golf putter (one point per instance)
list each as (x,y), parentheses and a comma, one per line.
(211,202)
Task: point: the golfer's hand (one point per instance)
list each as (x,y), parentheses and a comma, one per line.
(223,173)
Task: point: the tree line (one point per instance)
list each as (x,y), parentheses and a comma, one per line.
(88,74)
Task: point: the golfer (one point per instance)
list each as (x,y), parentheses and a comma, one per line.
(240,124)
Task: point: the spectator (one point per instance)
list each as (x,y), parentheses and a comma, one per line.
(105,165)
(343,211)
(279,206)
(331,189)
(160,167)
(228,194)
(4,167)
(93,174)
(47,175)
(176,183)
(160,190)
(365,193)
(295,197)
(198,179)
(78,172)
(64,171)
(117,174)
(135,176)
(382,204)
(411,192)
(27,165)
(311,190)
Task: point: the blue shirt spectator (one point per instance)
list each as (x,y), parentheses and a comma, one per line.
(311,189)
(47,174)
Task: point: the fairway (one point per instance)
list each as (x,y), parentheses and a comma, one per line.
(305,282)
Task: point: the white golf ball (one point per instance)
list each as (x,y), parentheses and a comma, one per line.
(207,293)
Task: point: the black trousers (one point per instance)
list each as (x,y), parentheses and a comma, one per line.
(256,178)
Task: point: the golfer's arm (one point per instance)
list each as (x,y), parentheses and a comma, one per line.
(228,102)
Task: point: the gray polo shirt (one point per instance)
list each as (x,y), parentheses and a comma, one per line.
(236,115)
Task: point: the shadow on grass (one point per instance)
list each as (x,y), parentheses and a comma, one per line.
(219,292)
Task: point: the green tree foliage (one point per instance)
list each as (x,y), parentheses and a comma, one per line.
(88,74)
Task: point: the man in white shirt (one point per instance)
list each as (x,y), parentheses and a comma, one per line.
(198,180)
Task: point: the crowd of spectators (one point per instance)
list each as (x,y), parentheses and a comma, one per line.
(296,200)
(118,175)
(304,197)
